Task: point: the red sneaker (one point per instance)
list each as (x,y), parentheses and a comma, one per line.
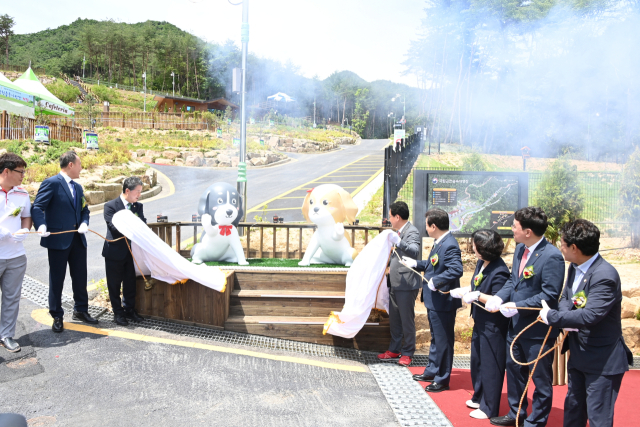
(404,361)
(388,355)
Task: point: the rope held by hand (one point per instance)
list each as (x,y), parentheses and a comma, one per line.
(394,251)
(147,284)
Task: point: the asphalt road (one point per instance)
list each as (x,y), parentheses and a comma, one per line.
(264,185)
(83,379)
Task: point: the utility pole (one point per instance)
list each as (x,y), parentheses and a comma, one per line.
(173,76)
(242,165)
(144,76)
(84,60)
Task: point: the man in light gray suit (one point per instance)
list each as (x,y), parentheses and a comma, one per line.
(404,286)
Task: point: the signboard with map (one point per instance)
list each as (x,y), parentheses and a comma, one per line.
(474,200)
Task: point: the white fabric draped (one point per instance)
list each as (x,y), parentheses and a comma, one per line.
(366,288)
(159,260)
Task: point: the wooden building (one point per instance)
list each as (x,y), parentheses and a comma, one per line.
(175,104)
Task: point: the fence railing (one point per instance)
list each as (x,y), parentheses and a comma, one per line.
(263,240)
(18,127)
(398,164)
(21,68)
(601,192)
(131,88)
(150,120)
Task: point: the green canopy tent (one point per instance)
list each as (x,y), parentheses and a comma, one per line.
(14,99)
(45,100)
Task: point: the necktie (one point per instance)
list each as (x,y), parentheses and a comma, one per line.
(73,191)
(523,261)
(129,206)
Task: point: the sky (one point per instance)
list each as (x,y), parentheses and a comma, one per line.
(368,37)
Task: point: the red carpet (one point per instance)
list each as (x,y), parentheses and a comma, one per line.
(452,402)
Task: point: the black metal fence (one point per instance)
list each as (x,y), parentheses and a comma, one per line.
(601,192)
(398,165)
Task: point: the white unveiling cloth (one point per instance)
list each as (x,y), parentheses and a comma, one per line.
(366,288)
(159,260)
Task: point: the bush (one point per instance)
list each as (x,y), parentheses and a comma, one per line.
(560,196)
(64,92)
(106,94)
(630,195)
(474,162)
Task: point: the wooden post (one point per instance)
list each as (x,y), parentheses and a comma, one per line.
(287,245)
(353,238)
(3,124)
(261,242)
(178,227)
(248,240)
(274,242)
(300,244)
(366,237)
(195,235)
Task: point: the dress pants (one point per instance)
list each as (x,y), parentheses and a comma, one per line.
(488,361)
(11,275)
(441,325)
(526,350)
(592,397)
(76,256)
(121,273)
(402,321)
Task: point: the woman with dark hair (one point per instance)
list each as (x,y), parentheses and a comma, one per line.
(489,338)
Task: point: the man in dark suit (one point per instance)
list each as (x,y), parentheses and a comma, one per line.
(537,274)
(442,273)
(404,286)
(590,312)
(118,261)
(60,206)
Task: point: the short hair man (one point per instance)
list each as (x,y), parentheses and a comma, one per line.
(15,222)
(118,261)
(590,312)
(537,274)
(442,272)
(60,206)
(404,286)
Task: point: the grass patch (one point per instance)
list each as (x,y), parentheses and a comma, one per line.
(273,262)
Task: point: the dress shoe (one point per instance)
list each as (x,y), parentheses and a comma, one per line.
(131,314)
(505,421)
(10,344)
(387,355)
(478,415)
(422,377)
(57,325)
(436,388)
(471,404)
(120,319)
(84,316)
(404,361)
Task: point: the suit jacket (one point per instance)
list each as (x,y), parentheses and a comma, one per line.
(545,284)
(446,275)
(54,207)
(494,276)
(598,347)
(402,278)
(118,251)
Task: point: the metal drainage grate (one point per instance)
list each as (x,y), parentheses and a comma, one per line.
(410,403)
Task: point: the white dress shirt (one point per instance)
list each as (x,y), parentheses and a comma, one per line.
(580,271)
(68,180)
(439,239)
(125,201)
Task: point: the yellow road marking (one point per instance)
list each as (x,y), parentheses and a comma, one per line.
(42,316)
(367,182)
(307,184)
(278,209)
(333,182)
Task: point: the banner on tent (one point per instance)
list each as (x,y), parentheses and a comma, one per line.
(16,96)
(41,134)
(54,108)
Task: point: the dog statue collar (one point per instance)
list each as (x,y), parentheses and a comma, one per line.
(225,230)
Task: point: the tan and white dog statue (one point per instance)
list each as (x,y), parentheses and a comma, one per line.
(327,206)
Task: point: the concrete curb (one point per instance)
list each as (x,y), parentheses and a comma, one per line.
(145,195)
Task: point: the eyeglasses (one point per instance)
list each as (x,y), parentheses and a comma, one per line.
(22,172)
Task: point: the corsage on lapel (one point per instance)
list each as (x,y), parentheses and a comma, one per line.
(477,280)
(16,211)
(579,300)
(528,273)
(434,260)
(84,202)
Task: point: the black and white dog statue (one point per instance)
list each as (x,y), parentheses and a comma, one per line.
(220,208)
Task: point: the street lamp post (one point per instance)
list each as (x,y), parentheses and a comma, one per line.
(404,107)
(144,76)
(390,117)
(242,166)
(173,76)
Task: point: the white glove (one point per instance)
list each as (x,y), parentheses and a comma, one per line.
(493,304)
(20,235)
(395,239)
(4,233)
(570,330)
(83,228)
(459,292)
(409,262)
(509,309)
(544,312)
(431,285)
(471,297)
(43,231)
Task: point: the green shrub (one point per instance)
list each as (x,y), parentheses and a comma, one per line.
(474,162)
(560,196)
(630,195)
(64,92)
(106,94)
